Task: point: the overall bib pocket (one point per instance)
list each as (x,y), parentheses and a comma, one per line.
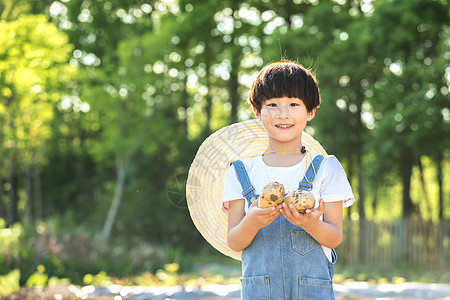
(302,242)
(255,287)
(315,289)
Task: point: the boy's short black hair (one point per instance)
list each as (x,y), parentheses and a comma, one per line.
(285,79)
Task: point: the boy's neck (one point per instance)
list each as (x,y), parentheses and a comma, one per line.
(282,157)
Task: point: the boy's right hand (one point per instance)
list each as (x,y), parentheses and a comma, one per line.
(243,227)
(262,217)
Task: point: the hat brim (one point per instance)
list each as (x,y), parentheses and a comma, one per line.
(204,185)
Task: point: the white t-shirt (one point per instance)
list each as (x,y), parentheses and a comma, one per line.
(331,183)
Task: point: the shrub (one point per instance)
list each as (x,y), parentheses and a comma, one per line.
(9,283)
(60,248)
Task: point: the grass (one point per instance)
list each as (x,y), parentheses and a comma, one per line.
(392,274)
(217,269)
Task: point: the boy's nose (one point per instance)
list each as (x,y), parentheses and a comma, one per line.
(283,113)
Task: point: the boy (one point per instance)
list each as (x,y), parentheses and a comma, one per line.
(286,254)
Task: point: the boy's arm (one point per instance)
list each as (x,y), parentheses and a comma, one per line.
(327,232)
(242,227)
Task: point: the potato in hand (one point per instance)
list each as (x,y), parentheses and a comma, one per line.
(272,194)
(302,200)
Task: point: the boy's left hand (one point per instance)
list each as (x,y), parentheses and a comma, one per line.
(292,215)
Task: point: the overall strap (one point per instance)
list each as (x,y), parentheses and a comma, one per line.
(307,183)
(248,191)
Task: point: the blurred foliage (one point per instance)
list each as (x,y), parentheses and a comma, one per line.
(64,249)
(100,279)
(9,283)
(104,103)
(38,278)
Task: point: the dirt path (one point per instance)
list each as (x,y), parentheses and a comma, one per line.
(343,291)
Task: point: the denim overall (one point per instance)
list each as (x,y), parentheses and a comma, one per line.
(284,261)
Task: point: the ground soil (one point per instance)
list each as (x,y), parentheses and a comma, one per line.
(63,293)
(69,292)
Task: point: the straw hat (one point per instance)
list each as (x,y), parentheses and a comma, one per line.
(204,186)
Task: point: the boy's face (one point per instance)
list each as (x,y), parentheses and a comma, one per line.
(284,120)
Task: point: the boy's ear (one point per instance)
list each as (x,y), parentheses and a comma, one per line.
(311,114)
(257,114)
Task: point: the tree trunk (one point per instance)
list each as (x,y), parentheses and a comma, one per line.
(208,107)
(233,85)
(37,195)
(406,172)
(361,192)
(122,162)
(117,198)
(350,174)
(28,197)
(375,198)
(440,184)
(2,204)
(359,143)
(424,189)
(12,208)
(363,237)
(184,105)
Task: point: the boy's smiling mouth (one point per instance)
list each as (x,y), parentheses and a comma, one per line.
(284,126)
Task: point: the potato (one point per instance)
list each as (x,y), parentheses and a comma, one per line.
(272,194)
(301,199)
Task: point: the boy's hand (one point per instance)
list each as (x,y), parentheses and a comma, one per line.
(262,217)
(302,220)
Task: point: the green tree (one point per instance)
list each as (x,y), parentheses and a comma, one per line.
(116,109)
(411,87)
(34,74)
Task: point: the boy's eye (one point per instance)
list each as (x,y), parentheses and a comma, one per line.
(271,104)
(295,104)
